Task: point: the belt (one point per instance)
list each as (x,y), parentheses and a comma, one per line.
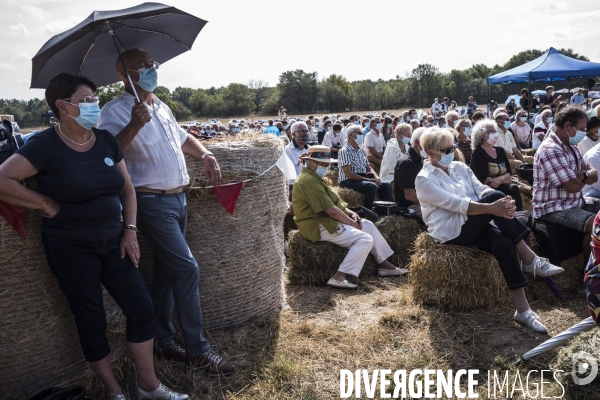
(142,189)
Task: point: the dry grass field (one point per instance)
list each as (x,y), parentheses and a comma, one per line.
(299,354)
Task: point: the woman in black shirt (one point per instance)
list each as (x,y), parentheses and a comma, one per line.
(490,164)
(84,191)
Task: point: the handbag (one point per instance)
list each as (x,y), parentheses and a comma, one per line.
(9,143)
(387,208)
(365,213)
(57,393)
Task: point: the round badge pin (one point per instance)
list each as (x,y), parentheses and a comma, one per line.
(109,162)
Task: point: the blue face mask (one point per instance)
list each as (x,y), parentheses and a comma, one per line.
(389,125)
(148,79)
(88,114)
(379,125)
(321,171)
(506,124)
(285,127)
(579,136)
(236,130)
(405,140)
(356,122)
(523,119)
(446,159)
(360,139)
(549,119)
(468,131)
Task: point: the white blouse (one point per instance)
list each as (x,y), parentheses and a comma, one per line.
(445,198)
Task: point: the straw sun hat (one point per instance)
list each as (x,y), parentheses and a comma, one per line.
(320,153)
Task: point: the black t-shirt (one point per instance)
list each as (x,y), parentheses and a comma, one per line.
(484,166)
(405,173)
(545,100)
(86,185)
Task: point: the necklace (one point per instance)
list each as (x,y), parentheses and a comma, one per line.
(72,141)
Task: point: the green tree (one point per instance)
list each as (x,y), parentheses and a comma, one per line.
(298,90)
(364,95)
(428,83)
(163,93)
(198,101)
(238,99)
(109,92)
(260,91)
(336,93)
(183,95)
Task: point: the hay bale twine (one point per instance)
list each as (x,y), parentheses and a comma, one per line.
(400,233)
(588,342)
(351,197)
(39,342)
(456,278)
(314,263)
(241,257)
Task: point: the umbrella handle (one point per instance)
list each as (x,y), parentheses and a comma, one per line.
(112,34)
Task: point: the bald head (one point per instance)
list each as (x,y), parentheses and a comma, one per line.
(133,59)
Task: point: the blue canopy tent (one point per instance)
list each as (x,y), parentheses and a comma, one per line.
(550,66)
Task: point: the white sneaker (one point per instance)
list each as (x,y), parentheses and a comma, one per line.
(161,393)
(530,320)
(392,272)
(342,285)
(113,396)
(542,267)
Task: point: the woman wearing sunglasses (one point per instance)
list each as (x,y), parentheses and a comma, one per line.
(458,209)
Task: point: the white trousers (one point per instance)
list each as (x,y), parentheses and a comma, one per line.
(360,243)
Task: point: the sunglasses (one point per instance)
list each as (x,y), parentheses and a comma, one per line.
(448,150)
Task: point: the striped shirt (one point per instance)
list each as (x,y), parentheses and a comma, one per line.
(355,158)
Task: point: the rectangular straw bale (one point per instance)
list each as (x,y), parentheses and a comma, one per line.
(400,233)
(456,278)
(351,197)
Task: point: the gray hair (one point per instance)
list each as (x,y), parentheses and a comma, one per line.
(501,114)
(403,127)
(416,135)
(452,114)
(297,125)
(354,129)
(433,138)
(545,112)
(480,128)
(595,103)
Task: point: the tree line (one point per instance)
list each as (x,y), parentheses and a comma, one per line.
(302,92)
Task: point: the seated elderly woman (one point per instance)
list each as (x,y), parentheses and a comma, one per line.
(489,162)
(356,173)
(458,209)
(396,148)
(322,215)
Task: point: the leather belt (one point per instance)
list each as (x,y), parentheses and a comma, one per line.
(142,189)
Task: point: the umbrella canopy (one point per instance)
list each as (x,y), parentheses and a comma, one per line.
(550,66)
(565,90)
(512,96)
(539,92)
(574,90)
(89,49)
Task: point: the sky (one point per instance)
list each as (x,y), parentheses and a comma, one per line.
(374,39)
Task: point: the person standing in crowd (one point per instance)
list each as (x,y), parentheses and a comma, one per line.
(458,209)
(490,164)
(541,129)
(334,140)
(375,143)
(549,97)
(577,99)
(405,172)
(464,129)
(436,108)
(298,146)
(88,209)
(154,149)
(282,112)
(453,106)
(559,175)
(510,107)
(521,129)
(471,107)
(444,106)
(507,141)
(355,172)
(591,135)
(492,106)
(395,148)
(527,102)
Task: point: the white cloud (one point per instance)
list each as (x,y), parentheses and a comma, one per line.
(33,13)
(17,30)
(7,67)
(22,57)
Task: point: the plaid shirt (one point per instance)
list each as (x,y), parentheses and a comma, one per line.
(554,165)
(355,158)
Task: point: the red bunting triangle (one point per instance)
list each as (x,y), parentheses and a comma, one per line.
(228,195)
(15,216)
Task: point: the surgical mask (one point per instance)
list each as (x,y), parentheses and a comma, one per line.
(445,126)
(88,114)
(506,124)
(389,125)
(285,127)
(303,139)
(236,130)
(379,125)
(468,131)
(360,139)
(446,159)
(492,139)
(550,119)
(552,93)
(356,122)
(405,140)
(318,124)
(321,171)
(415,116)
(579,135)
(523,119)
(329,128)
(423,153)
(148,79)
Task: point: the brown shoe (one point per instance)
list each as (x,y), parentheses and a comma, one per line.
(175,353)
(213,364)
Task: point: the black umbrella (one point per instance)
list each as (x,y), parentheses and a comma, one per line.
(92,47)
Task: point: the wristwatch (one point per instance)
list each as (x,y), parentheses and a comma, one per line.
(586,175)
(206,153)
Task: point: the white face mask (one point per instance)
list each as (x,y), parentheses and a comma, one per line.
(468,131)
(379,125)
(492,139)
(549,119)
(446,159)
(360,139)
(523,119)
(423,153)
(321,171)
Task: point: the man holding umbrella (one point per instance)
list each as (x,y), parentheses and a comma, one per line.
(154,147)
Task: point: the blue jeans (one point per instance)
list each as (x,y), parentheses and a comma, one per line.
(369,189)
(162,220)
(81,267)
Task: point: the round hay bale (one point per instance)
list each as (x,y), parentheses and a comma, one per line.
(526,199)
(400,233)
(567,357)
(352,197)
(332,177)
(39,342)
(288,226)
(314,263)
(455,278)
(241,257)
